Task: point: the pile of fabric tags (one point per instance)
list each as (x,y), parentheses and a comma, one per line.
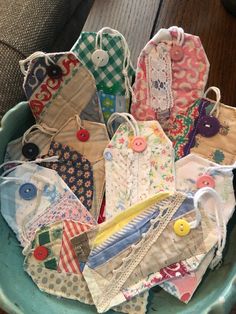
(125,181)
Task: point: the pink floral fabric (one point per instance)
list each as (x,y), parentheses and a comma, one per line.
(183,85)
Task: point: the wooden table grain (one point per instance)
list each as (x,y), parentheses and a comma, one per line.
(139,20)
(133,18)
(217,29)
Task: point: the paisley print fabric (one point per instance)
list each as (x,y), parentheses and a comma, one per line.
(161,94)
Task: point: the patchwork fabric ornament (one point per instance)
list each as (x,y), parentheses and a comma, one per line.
(33,196)
(192,174)
(139,163)
(133,256)
(58,86)
(53,265)
(216,132)
(107,56)
(79,137)
(171,74)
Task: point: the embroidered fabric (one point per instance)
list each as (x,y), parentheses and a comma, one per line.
(219,148)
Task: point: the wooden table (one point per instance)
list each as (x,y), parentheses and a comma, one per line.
(139,20)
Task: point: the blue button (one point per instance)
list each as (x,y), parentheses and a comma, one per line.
(108,156)
(28,191)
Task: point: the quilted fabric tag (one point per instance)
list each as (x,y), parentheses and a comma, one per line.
(107,56)
(72,135)
(216,132)
(129,253)
(33,196)
(58,86)
(53,265)
(193,173)
(139,163)
(171,74)
(75,170)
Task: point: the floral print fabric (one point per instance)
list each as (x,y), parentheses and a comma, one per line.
(132,177)
(75,170)
(178,85)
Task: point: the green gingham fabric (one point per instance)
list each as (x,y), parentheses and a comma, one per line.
(108,78)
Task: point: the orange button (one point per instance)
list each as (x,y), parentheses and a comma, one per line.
(139,144)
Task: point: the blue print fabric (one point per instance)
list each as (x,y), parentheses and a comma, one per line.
(74,169)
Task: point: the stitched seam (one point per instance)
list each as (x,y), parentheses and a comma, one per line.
(142,248)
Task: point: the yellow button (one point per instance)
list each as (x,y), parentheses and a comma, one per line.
(181,227)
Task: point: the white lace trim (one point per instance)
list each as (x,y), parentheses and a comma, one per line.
(160,79)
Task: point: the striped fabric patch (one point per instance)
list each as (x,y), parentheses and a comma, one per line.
(68,261)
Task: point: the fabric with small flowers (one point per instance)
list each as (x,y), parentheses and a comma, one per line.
(112,103)
(75,170)
(132,177)
(181,126)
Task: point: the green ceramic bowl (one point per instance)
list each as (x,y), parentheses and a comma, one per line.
(18,293)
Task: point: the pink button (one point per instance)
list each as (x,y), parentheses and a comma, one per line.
(176,53)
(139,144)
(205,181)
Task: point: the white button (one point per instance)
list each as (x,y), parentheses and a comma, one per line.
(100,58)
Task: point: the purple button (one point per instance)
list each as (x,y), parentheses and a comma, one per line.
(208,126)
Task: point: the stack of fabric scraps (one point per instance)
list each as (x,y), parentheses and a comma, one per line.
(117,188)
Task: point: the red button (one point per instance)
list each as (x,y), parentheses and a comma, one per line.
(205,181)
(176,53)
(41,253)
(139,144)
(83,135)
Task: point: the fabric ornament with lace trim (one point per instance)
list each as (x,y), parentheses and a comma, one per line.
(133,176)
(129,253)
(172,70)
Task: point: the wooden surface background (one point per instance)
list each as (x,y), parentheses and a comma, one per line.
(139,20)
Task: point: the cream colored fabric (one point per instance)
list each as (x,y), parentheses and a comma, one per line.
(92,150)
(221,147)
